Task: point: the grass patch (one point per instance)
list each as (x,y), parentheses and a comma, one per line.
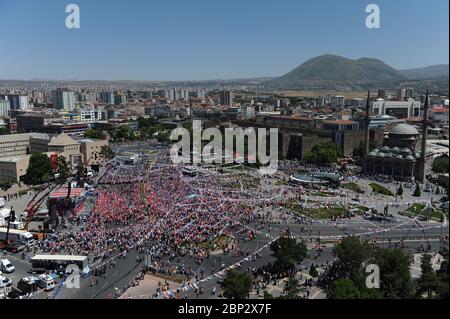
(318,213)
(351,186)
(377,188)
(418,210)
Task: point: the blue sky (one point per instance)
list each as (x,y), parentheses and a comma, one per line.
(211,39)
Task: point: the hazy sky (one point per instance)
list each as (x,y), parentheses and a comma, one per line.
(211,39)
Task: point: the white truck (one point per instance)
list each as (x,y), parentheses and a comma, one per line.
(16,235)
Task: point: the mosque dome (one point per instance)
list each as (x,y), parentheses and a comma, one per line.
(404,129)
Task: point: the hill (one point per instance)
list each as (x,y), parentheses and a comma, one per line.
(326,70)
(428,72)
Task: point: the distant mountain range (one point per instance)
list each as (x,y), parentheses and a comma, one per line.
(428,72)
(336,72)
(325,72)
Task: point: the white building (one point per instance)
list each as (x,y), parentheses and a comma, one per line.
(399,109)
(91,115)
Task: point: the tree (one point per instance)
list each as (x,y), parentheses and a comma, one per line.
(287,253)
(440,165)
(293,289)
(395,276)
(323,154)
(313,271)
(97,134)
(39,170)
(428,282)
(417,191)
(6,185)
(163,137)
(125,132)
(106,152)
(400,190)
(236,285)
(63,169)
(343,289)
(443,275)
(352,254)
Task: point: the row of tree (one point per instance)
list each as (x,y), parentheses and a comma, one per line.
(346,277)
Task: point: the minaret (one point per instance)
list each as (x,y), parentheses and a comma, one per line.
(366,128)
(424,141)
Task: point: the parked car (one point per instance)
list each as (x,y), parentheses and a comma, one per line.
(5,282)
(6,266)
(46,282)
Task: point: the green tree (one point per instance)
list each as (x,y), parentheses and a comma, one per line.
(351,254)
(427,283)
(6,185)
(96,134)
(417,191)
(236,285)
(440,165)
(443,275)
(287,252)
(395,276)
(293,289)
(124,132)
(343,289)
(39,170)
(163,137)
(63,169)
(400,190)
(106,152)
(323,154)
(313,271)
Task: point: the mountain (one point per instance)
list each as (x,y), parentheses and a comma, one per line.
(428,72)
(332,71)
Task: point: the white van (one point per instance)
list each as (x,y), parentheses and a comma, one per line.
(46,282)
(6,266)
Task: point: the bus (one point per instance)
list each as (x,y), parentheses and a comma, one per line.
(42,263)
(16,235)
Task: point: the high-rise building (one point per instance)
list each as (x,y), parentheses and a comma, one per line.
(201,94)
(4,107)
(64,100)
(401,94)
(382,94)
(120,99)
(226,98)
(107,97)
(18,102)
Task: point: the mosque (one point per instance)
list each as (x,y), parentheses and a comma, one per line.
(404,154)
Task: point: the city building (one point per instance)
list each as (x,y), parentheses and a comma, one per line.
(14,145)
(120,99)
(439,114)
(63,100)
(91,151)
(4,108)
(91,115)
(33,122)
(18,102)
(66,146)
(13,168)
(399,109)
(226,98)
(107,97)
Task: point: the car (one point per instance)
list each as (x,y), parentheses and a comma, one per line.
(46,282)
(5,282)
(6,266)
